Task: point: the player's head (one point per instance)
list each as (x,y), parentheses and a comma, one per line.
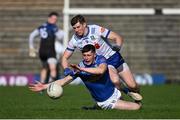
(89,53)
(78,23)
(52,17)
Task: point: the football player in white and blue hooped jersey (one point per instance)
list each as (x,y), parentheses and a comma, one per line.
(49,34)
(93,71)
(99,36)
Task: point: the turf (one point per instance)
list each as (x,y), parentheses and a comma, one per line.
(18,102)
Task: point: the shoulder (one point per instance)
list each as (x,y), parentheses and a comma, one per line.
(93,25)
(101,59)
(55,28)
(94,28)
(74,38)
(81,64)
(42,25)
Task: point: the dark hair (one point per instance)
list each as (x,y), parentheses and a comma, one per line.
(89,47)
(76,19)
(53,13)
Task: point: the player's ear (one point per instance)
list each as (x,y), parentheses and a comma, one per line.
(94,55)
(84,24)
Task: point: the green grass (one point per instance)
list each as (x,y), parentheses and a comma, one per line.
(18,102)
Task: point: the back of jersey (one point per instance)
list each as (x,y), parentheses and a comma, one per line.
(47,33)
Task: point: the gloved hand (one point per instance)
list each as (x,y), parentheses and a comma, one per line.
(116,48)
(68,71)
(32,52)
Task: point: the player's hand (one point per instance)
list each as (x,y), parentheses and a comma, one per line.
(32,52)
(75,67)
(116,48)
(37,87)
(68,71)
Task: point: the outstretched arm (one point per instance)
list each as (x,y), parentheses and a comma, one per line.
(97,70)
(39,86)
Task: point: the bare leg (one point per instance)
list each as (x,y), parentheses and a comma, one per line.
(126,105)
(43,75)
(53,72)
(128,77)
(114,77)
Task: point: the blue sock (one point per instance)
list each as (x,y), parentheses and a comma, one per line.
(125,90)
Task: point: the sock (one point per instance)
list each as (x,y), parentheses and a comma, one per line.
(125,90)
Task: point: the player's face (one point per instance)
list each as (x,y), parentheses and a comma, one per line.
(52,19)
(79,28)
(88,57)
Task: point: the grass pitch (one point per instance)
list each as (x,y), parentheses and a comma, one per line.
(18,102)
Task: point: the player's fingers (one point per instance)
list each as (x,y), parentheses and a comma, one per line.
(73,65)
(34,89)
(31,85)
(37,82)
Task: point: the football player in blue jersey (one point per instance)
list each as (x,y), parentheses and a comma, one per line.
(100,37)
(94,73)
(49,35)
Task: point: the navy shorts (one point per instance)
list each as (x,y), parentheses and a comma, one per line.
(115,60)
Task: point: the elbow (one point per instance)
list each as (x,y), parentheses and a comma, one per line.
(119,41)
(102,69)
(101,73)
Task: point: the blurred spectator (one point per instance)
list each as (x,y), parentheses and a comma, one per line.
(50,47)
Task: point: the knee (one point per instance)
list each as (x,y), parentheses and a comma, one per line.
(115,81)
(137,106)
(132,85)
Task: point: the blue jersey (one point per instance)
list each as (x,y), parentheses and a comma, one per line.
(100,87)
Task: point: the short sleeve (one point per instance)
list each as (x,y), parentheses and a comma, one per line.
(72,44)
(104,32)
(101,60)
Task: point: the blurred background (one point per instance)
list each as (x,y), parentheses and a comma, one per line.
(151,42)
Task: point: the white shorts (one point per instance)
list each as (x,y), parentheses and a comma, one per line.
(110,102)
(52,61)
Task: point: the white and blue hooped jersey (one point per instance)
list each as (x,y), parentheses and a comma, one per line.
(95,37)
(100,87)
